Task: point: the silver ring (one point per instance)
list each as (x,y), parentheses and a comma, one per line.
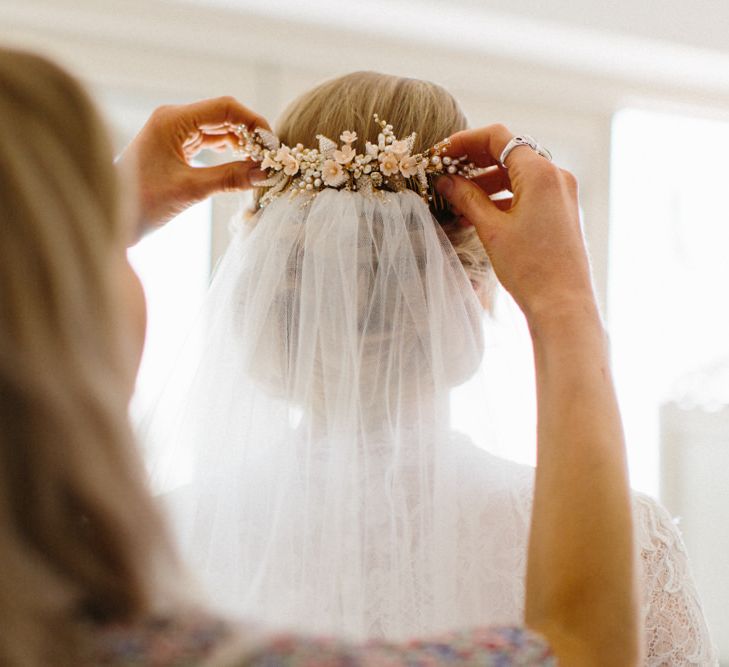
(523,140)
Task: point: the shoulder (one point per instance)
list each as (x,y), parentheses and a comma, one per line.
(482,464)
(656,530)
(665,567)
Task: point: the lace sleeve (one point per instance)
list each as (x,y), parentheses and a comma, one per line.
(489,647)
(675,628)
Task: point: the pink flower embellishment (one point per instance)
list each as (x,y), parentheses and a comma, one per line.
(345,155)
(389,164)
(290,165)
(332,174)
(399,147)
(268,163)
(348,137)
(408,166)
(282,153)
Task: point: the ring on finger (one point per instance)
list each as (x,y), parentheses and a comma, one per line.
(523,140)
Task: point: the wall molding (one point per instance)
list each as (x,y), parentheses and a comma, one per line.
(548,63)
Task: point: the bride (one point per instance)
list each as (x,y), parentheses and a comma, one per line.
(304,445)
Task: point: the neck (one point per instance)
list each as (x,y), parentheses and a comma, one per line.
(382,420)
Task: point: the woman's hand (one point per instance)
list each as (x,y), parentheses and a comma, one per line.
(535,244)
(159,157)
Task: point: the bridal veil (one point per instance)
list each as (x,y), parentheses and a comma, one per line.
(304,446)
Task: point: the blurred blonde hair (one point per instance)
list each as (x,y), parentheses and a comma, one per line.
(80,537)
(409,105)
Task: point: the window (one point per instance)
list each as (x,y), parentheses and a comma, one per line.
(174,266)
(668,314)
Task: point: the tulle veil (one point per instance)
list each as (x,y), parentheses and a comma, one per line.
(304,447)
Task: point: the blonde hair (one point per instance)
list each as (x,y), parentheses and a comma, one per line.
(80,536)
(410,105)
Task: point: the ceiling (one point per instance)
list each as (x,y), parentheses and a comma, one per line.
(702,24)
(669,43)
(598,54)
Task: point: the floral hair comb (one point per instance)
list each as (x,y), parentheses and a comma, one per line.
(387,165)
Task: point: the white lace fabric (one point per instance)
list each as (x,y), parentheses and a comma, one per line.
(675,628)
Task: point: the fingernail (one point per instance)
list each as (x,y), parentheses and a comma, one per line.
(256,176)
(444,185)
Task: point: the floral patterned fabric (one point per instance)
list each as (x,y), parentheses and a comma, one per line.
(182,641)
(195,640)
(489,647)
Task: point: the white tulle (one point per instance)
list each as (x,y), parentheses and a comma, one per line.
(306,455)
(304,446)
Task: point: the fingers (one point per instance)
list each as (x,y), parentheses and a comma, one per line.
(483,145)
(570,182)
(504,203)
(494,180)
(216,115)
(203,141)
(229,177)
(471,202)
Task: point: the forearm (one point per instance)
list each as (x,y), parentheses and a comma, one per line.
(581,561)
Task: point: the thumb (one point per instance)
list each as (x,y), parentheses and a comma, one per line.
(470,200)
(228,177)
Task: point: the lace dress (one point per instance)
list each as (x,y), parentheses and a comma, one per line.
(675,631)
(197,639)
